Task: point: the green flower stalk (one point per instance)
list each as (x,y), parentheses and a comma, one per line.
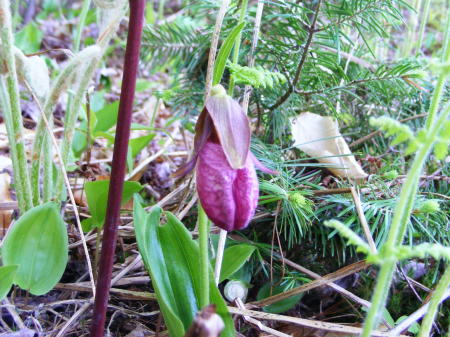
(13,112)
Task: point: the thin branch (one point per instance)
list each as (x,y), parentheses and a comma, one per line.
(292,86)
(349,84)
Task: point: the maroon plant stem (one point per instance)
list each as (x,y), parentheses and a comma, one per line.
(118,165)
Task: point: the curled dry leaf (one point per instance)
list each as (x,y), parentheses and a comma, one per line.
(319,137)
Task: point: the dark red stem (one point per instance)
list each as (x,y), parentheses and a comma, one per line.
(130,69)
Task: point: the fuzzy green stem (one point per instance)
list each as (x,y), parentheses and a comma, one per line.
(203,232)
(446,45)
(161,9)
(379,298)
(4,101)
(61,83)
(406,202)
(47,188)
(237,45)
(434,105)
(71,119)
(16,138)
(400,221)
(412,28)
(73,110)
(438,293)
(423,23)
(81,24)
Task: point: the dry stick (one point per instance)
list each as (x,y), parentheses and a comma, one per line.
(336,287)
(363,220)
(251,62)
(124,271)
(188,207)
(292,86)
(219,256)
(343,272)
(415,316)
(69,189)
(122,293)
(73,319)
(257,323)
(348,330)
(10,308)
(118,165)
(213,48)
(148,160)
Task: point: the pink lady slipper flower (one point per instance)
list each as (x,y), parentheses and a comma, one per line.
(227,184)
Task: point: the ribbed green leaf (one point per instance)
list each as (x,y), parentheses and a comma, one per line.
(7,274)
(172,258)
(233,259)
(37,244)
(224,53)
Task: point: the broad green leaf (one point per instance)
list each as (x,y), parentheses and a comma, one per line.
(138,144)
(171,257)
(224,53)
(7,274)
(37,244)
(97,198)
(233,259)
(143,84)
(29,38)
(280,306)
(107,117)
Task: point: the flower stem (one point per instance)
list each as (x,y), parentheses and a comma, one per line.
(136,21)
(203,232)
(15,129)
(441,288)
(203,228)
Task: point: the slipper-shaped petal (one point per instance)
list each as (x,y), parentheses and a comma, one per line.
(228,196)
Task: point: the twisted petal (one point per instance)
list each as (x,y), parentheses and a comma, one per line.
(228,196)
